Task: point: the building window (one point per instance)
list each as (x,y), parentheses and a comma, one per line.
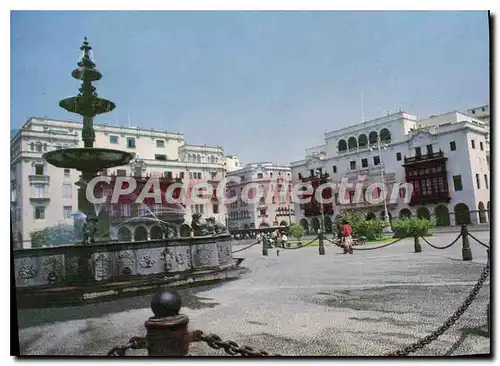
(429,149)
(67,211)
(39,170)
(473,144)
(39,213)
(263,212)
(364,163)
(67,172)
(215,209)
(486,181)
(160,143)
(376,160)
(457,182)
(131,142)
(66,191)
(260,175)
(478,182)
(182,175)
(351,196)
(125,210)
(168,175)
(353,165)
(160,157)
(121,172)
(213,175)
(398,156)
(39,190)
(113,139)
(453,146)
(402,192)
(334,169)
(38,147)
(481,146)
(418,151)
(337,199)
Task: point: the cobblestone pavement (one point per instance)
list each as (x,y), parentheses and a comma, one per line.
(300,303)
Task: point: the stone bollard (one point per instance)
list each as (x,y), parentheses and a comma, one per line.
(466,252)
(416,244)
(277,252)
(321,247)
(264,246)
(167,331)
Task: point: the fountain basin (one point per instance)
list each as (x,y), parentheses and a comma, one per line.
(87,159)
(88,106)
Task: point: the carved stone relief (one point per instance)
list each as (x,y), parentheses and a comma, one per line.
(53,269)
(126,263)
(101,266)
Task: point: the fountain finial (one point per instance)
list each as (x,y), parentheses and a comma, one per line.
(85,61)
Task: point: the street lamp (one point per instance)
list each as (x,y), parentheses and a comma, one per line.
(387,229)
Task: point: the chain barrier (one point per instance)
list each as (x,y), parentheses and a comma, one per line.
(133,343)
(421,343)
(302,246)
(479,241)
(245,248)
(381,246)
(230,347)
(446,246)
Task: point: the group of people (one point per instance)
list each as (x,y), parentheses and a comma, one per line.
(274,239)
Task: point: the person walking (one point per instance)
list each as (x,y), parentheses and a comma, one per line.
(347,238)
(283,240)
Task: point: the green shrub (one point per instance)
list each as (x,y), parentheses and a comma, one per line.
(371,229)
(411,226)
(297,231)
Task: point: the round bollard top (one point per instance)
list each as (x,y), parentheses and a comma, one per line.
(166,303)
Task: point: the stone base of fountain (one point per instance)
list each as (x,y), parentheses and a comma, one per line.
(71,295)
(99,271)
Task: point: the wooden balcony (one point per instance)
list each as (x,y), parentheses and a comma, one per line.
(424,158)
(437,197)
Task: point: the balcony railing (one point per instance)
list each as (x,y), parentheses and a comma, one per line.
(315,177)
(39,178)
(419,158)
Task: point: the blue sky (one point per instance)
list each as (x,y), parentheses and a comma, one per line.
(264,85)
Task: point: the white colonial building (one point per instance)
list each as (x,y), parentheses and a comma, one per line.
(43,195)
(275,211)
(443,157)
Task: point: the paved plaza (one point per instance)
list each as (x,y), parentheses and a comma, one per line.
(300,303)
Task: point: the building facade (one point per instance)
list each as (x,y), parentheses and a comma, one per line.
(43,195)
(444,159)
(273,208)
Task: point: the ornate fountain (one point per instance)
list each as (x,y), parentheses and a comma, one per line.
(89,160)
(205,256)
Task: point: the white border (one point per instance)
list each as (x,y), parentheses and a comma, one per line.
(195,5)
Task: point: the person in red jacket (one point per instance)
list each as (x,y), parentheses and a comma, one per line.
(347,237)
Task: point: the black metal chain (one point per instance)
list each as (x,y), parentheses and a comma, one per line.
(302,246)
(230,347)
(133,343)
(381,246)
(249,246)
(446,246)
(479,241)
(421,343)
